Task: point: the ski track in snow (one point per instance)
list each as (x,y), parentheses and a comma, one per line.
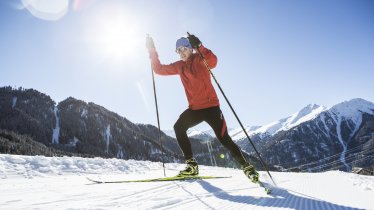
(37,182)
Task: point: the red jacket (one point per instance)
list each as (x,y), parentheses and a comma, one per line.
(194,75)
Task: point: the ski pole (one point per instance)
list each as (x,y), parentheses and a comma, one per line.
(232,109)
(158,118)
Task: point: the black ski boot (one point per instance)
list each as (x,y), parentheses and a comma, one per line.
(192,168)
(250,172)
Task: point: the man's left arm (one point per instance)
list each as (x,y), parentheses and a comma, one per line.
(209,56)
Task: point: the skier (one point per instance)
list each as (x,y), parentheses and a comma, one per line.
(202,99)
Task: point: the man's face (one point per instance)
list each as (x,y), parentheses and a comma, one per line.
(184,52)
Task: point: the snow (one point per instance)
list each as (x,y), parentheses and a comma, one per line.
(84,112)
(238,133)
(56,130)
(338,123)
(37,182)
(307,113)
(73,142)
(14,102)
(194,132)
(107,137)
(197,130)
(353,109)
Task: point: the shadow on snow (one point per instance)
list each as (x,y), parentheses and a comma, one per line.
(281,198)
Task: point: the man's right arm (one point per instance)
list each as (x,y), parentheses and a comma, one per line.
(159,68)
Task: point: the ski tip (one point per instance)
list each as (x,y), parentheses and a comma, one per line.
(95,181)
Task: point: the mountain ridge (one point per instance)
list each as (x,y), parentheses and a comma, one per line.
(313,134)
(76,126)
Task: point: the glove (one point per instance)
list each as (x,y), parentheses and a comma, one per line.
(149,43)
(194,41)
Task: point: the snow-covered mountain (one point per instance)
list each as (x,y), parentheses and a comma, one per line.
(338,137)
(195,133)
(80,128)
(37,182)
(349,110)
(307,113)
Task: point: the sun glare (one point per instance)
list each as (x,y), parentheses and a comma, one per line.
(113,35)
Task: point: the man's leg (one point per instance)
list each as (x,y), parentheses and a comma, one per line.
(187,119)
(216,120)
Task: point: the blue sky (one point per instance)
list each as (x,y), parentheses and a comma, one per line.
(274,57)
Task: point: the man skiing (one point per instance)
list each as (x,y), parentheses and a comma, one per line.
(202,98)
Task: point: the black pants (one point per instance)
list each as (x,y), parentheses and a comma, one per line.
(214,117)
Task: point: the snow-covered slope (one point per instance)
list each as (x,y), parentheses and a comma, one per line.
(60,183)
(239,134)
(352,110)
(307,113)
(349,114)
(194,133)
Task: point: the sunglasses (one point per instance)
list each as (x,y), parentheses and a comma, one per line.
(181,49)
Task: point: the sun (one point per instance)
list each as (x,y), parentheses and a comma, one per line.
(113,35)
(115,38)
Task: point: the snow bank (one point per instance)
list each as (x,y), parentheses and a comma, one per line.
(39,166)
(60,183)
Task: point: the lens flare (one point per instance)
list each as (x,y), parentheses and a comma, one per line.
(144,97)
(51,10)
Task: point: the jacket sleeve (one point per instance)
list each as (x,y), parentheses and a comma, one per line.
(161,69)
(209,56)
